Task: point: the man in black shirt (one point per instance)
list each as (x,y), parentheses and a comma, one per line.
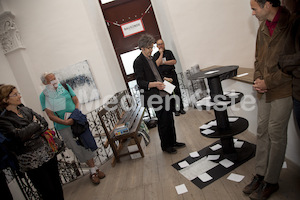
(165,61)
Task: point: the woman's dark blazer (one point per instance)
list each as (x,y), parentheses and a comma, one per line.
(144,75)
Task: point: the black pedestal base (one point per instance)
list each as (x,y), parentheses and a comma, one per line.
(226,139)
(246,152)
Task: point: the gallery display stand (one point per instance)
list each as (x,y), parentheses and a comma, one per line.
(225,127)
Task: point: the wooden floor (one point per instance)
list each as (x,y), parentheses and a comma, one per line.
(153,177)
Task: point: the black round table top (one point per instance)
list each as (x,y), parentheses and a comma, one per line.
(215,72)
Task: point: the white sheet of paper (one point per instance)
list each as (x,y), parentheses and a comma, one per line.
(207,132)
(169,87)
(181,189)
(226,163)
(216,147)
(197,168)
(194,154)
(235,177)
(205,177)
(232,119)
(238,144)
(244,74)
(213,157)
(212,123)
(205,126)
(208,97)
(211,72)
(235,140)
(183,164)
(232,94)
(223,103)
(284,165)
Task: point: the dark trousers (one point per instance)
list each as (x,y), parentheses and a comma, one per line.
(47,181)
(166,128)
(176,105)
(5,192)
(296,110)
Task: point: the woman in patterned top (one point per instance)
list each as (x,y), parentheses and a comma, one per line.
(25,128)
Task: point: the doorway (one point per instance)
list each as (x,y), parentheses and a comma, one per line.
(117,13)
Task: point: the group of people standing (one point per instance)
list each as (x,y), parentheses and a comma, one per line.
(26,138)
(276,80)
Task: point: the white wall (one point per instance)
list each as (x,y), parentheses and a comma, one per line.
(208,32)
(6,74)
(59,33)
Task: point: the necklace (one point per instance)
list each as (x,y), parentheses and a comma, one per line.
(19,112)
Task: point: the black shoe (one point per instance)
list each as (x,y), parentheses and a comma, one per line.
(170,150)
(177,113)
(251,187)
(264,191)
(178,145)
(182,112)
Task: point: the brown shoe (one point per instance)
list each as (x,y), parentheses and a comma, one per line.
(101,175)
(95,179)
(253,185)
(264,191)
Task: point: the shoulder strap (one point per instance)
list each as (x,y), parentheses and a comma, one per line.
(65,86)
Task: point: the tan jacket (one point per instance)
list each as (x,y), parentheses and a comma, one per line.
(267,54)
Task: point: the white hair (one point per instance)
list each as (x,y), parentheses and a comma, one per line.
(44,75)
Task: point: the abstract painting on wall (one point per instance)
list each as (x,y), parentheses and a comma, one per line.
(80,78)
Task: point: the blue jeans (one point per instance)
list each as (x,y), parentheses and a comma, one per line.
(297,111)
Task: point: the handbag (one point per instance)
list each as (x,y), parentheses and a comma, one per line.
(56,144)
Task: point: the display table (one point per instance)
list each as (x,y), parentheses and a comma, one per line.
(224,127)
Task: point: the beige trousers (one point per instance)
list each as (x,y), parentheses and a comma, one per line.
(273,119)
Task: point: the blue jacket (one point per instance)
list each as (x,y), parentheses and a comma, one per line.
(86,138)
(6,157)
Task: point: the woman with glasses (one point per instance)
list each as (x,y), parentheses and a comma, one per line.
(151,86)
(25,128)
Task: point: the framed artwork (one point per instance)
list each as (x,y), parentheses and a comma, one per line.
(80,78)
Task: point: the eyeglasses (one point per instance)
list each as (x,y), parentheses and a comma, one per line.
(15,95)
(159,44)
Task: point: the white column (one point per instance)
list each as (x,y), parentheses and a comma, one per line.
(18,60)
